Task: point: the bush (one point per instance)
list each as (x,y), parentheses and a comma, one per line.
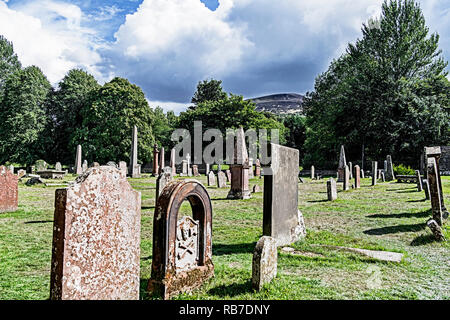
(403,170)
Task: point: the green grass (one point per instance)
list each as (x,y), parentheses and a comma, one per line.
(389,216)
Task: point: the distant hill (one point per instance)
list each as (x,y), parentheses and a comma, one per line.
(281,103)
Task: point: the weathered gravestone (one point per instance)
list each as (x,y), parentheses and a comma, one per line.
(211,179)
(135,168)
(264,264)
(228,174)
(123,167)
(419,181)
(313,172)
(426,188)
(342,165)
(9,190)
(85,165)
(357,177)
(11,168)
(41,165)
(436,230)
(383,178)
(58,166)
(195,170)
(162,160)
(240,188)
(257,168)
(184,168)
(350,167)
(95,164)
(221,180)
(435,194)
(182,248)
(163,179)
(331,189)
(78,168)
(96,238)
(374,172)
(281,217)
(389,173)
(435,152)
(346,181)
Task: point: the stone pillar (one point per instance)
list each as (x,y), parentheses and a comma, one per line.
(426,188)
(85,165)
(435,152)
(258,168)
(155,160)
(419,181)
(172,162)
(78,167)
(313,173)
(240,169)
(357,177)
(374,172)
(435,194)
(331,189)
(342,165)
(189,169)
(162,161)
(390,169)
(350,167)
(346,184)
(207,169)
(264,264)
(134,167)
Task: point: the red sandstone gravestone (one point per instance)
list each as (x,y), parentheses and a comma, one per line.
(8,190)
(96,238)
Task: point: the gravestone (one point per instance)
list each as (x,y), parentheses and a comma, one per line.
(9,190)
(331,189)
(313,172)
(346,182)
(257,168)
(389,173)
(264,263)
(362,173)
(21,173)
(163,179)
(357,177)
(221,180)
(155,160)
(350,167)
(426,188)
(435,152)
(182,247)
(195,170)
(11,168)
(383,178)
(419,181)
(436,230)
(211,179)
(281,217)
(135,168)
(228,173)
(379,174)
(250,170)
(375,172)
(172,162)
(240,188)
(189,169)
(123,167)
(96,238)
(435,194)
(112,164)
(41,165)
(207,169)
(58,166)
(342,165)
(162,160)
(85,165)
(184,168)
(78,168)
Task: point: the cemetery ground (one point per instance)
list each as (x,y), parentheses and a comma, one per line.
(389,217)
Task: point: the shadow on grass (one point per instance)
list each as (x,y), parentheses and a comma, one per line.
(146,258)
(317,201)
(423,240)
(231,290)
(39,221)
(220,199)
(408,191)
(147,207)
(396,229)
(422,200)
(415,188)
(422,214)
(224,249)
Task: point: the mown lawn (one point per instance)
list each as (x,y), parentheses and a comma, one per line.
(390,216)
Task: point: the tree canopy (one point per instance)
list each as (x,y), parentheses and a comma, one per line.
(208,90)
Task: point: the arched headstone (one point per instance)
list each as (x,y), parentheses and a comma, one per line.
(182,248)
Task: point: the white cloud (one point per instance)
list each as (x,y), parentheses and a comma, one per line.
(49,34)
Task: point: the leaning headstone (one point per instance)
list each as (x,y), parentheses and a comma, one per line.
(346,182)
(436,152)
(85,165)
(78,167)
(436,230)
(313,174)
(435,194)
(221,180)
(211,179)
(163,179)
(357,177)
(374,172)
(389,174)
(419,181)
(58,166)
(281,217)
(96,238)
(342,165)
(264,264)
(426,188)
(331,189)
(9,190)
(195,170)
(182,247)
(240,188)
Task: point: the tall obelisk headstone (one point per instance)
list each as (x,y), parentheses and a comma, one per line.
(240,169)
(78,166)
(134,167)
(155,170)
(389,175)
(172,162)
(342,165)
(374,172)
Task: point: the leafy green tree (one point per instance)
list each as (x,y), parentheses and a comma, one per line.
(208,90)
(23,111)
(163,126)
(75,92)
(9,62)
(296,131)
(106,130)
(386,94)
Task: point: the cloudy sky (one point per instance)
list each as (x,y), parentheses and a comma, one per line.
(255,47)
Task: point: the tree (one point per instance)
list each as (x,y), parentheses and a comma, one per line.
(9,62)
(75,92)
(106,130)
(163,126)
(208,90)
(23,111)
(296,131)
(372,99)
